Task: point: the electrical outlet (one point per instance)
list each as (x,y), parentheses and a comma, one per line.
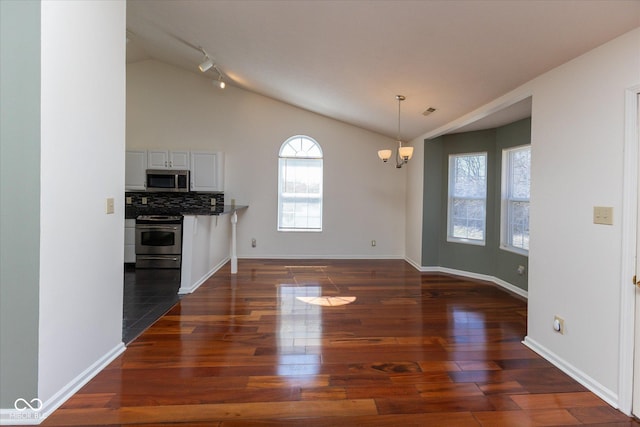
(558,324)
(520,270)
(129,200)
(253,243)
(213,201)
(110,205)
(144,200)
(373,243)
(603,215)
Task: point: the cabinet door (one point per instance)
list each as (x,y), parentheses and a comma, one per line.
(158,159)
(207,171)
(129,240)
(163,159)
(135,170)
(179,159)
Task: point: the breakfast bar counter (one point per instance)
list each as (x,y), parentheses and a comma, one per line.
(208,242)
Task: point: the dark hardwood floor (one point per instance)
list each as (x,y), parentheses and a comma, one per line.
(336,343)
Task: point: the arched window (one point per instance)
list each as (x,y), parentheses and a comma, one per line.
(300,185)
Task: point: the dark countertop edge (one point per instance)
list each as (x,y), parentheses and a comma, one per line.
(227,209)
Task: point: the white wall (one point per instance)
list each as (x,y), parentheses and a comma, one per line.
(577,163)
(364,199)
(577,158)
(82,163)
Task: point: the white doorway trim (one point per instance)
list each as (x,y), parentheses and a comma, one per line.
(629,249)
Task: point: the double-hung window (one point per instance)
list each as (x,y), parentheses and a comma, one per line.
(467,198)
(300,185)
(516,178)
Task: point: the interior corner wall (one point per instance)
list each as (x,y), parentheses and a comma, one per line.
(488,259)
(414,204)
(432,202)
(19,199)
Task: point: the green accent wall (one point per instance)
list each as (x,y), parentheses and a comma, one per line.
(19,199)
(436,250)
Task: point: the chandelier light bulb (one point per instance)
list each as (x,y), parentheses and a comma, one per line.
(384,155)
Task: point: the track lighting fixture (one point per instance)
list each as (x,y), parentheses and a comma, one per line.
(220,83)
(207,63)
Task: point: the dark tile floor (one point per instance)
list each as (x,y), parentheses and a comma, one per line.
(148,294)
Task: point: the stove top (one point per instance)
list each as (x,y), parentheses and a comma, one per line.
(159,219)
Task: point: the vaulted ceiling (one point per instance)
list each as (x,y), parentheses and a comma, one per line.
(349,59)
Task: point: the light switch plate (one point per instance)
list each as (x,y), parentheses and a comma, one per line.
(603,215)
(110,205)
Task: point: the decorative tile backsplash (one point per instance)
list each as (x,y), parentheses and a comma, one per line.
(169,203)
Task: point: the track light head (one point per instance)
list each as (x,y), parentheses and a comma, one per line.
(220,83)
(208,63)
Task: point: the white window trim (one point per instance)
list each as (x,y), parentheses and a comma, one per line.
(450,237)
(320,195)
(504,202)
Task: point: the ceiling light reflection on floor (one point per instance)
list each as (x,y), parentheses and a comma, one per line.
(327,301)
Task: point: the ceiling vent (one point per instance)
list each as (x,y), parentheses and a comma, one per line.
(428,111)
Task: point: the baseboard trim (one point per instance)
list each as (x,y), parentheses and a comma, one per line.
(196,285)
(35,417)
(598,389)
(502,283)
(327,257)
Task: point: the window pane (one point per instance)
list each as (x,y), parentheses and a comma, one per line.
(470,176)
(467,196)
(519,225)
(468,219)
(520,174)
(515,193)
(301,146)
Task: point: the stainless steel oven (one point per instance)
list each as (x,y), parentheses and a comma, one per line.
(158,241)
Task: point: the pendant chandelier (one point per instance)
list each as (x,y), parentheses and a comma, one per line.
(403,154)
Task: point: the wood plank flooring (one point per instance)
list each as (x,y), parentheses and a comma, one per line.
(261,349)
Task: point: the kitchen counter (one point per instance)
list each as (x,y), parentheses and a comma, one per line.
(207,244)
(218,210)
(132,212)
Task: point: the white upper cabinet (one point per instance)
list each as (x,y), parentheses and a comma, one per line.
(135,170)
(164,159)
(207,171)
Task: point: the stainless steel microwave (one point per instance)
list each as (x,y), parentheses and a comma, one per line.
(167,180)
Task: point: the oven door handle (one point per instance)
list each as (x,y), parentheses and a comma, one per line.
(156,227)
(157,258)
